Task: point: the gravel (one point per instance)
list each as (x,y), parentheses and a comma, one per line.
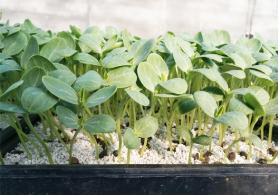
(157,152)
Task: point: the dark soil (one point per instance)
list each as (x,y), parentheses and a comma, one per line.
(262,161)
(243,154)
(74,160)
(232,156)
(103,154)
(197,156)
(207,154)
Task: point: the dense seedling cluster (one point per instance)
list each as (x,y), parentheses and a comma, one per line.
(92,79)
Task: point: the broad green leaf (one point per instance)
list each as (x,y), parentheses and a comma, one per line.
(261,94)
(63,75)
(148,76)
(169,41)
(109,45)
(11,63)
(116,51)
(215,57)
(11,108)
(131,141)
(14,43)
(202,140)
(171,95)
(239,105)
(61,66)
(91,41)
(176,85)
(14,30)
(236,73)
(110,30)
(29,26)
(158,64)
(32,78)
(70,106)
(10,89)
(236,120)
(271,107)
(254,45)
(184,105)
(185,46)
(31,49)
(265,69)
(70,44)
(100,96)
(113,62)
(41,62)
(184,132)
(138,97)
(266,80)
(246,57)
(50,48)
(8,68)
(239,62)
(231,48)
(259,57)
(90,81)
(41,40)
(242,91)
(126,39)
(122,77)
(68,118)
(182,60)
(146,127)
(254,140)
(60,89)
(100,124)
(220,37)
(66,52)
(215,92)
(251,100)
(36,100)
(143,51)
(76,31)
(206,102)
(137,45)
(127,56)
(86,59)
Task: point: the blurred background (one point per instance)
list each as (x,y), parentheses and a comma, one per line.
(149,18)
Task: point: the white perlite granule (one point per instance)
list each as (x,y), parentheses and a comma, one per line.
(156,154)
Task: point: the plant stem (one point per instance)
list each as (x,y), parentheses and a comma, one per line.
(275,155)
(190,153)
(96,145)
(228,149)
(270,130)
(128,156)
(144,147)
(237,145)
(72,142)
(26,118)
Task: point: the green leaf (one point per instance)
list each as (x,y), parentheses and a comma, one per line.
(254,103)
(63,75)
(70,106)
(116,51)
(41,62)
(236,120)
(8,68)
(259,57)
(206,102)
(130,139)
(271,107)
(100,124)
(66,52)
(70,44)
(126,39)
(100,96)
(182,60)
(236,73)
(148,76)
(261,94)
(113,62)
(91,41)
(215,57)
(231,48)
(215,92)
(36,100)
(32,78)
(158,64)
(265,69)
(127,56)
(220,37)
(263,77)
(90,81)
(31,49)
(109,45)
(29,26)
(239,105)
(171,95)
(14,43)
(169,41)
(11,108)
(254,45)
(86,59)
(122,77)
(10,89)
(184,105)
(50,48)
(176,85)
(254,140)
(184,132)
(202,140)
(243,91)
(143,51)
(138,97)
(76,31)
(61,66)
(146,127)
(185,46)
(60,89)
(68,118)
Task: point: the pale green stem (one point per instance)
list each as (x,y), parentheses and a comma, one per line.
(128,156)
(228,149)
(72,142)
(190,153)
(144,147)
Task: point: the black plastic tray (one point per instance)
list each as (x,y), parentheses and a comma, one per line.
(139,179)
